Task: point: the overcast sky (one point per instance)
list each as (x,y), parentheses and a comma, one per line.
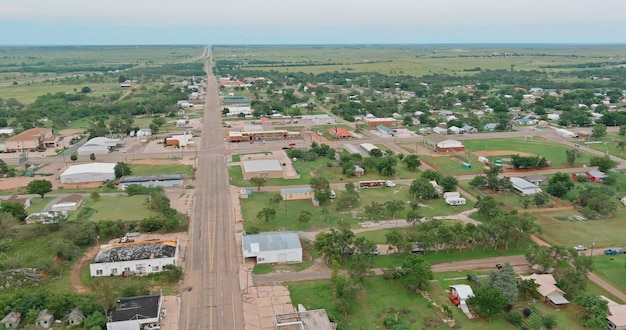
(78,22)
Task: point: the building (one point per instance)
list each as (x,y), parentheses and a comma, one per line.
(340,133)
(537,179)
(273,247)
(237,110)
(385,130)
(440,130)
(133,313)
(450,145)
(616,317)
(368,147)
(550,293)
(92,172)
(161,180)
(432,140)
(292,194)
(134,258)
(351,148)
(68,203)
(264,168)
(7,131)
(99,146)
(373,122)
(25,201)
(596,176)
(459,294)
(490,127)
(437,187)
(46,218)
(12,320)
(263,135)
(304,320)
(524,187)
(75,317)
(31,140)
(44,319)
(358,170)
(236,100)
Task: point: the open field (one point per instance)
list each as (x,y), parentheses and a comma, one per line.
(38,204)
(417,60)
(609,145)
(611,269)
(156,169)
(27,93)
(128,208)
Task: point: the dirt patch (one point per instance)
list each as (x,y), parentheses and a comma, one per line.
(149,161)
(71,131)
(487,153)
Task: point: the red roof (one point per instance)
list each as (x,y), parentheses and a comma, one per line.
(264,119)
(340,132)
(520,89)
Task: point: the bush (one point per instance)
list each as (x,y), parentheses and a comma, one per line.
(253,230)
(515,318)
(527,312)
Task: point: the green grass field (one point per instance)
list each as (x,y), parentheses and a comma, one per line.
(605,233)
(127,208)
(146,169)
(612,269)
(27,93)
(38,203)
(609,145)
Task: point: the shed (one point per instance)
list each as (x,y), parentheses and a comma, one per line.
(524,187)
(75,317)
(291,194)
(92,172)
(596,176)
(44,319)
(12,320)
(273,247)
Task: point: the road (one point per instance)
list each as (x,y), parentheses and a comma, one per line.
(211,298)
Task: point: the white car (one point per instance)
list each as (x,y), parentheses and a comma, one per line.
(152,326)
(390,183)
(580,248)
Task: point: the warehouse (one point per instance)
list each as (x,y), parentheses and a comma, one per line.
(134,258)
(163,180)
(273,247)
(524,187)
(264,168)
(99,146)
(92,172)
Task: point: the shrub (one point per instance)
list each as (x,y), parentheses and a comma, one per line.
(515,318)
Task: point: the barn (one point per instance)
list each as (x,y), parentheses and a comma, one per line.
(92,172)
(264,168)
(273,247)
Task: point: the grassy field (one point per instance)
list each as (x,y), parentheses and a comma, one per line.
(38,203)
(452,165)
(146,169)
(127,208)
(609,145)
(27,93)
(604,232)
(612,269)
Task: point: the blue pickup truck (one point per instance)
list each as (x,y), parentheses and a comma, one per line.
(611,251)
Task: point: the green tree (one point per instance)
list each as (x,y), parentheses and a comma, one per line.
(571,155)
(39,187)
(432,175)
(386,166)
(422,189)
(331,244)
(603,163)
(376,153)
(95,196)
(374,211)
(449,183)
(258,182)
(505,280)
(488,301)
(85,90)
(599,131)
(159,121)
(415,273)
(412,162)
(622,130)
(559,184)
(394,206)
(121,169)
(74,156)
(488,206)
(95,321)
(321,188)
(595,310)
(305,217)
(92,156)
(15,209)
(541,199)
(267,214)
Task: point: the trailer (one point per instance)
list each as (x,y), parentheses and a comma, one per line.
(456,201)
(372,184)
(483,160)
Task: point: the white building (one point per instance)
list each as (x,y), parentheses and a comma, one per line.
(368,147)
(92,172)
(524,187)
(99,146)
(7,131)
(138,258)
(161,180)
(273,247)
(134,313)
(236,110)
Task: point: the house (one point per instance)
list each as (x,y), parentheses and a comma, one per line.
(469,129)
(385,130)
(75,317)
(450,146)
(272,247)
(292,194)
(7,131)
(137,257)
(439,130)
(31,140)
(134,313)
(490,127)
(340,133)
(424,130)
(12,320)
(550,293)
(524,187)
(44,319)
(537,179)
(456,130)
(25,201)
(616,317)
(596,176)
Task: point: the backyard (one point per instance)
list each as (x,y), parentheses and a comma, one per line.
(127,208)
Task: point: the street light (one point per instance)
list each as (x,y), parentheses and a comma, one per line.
(593,243)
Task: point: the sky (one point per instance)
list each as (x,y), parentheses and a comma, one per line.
(232,22)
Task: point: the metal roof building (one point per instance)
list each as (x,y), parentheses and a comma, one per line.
(135,312)
(265,168)
(92,172)
(162,180)
(136,257)
(273,247)
(524,187)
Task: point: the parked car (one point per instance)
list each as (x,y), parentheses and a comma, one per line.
(416,248)
(611,251)
(152,326)
(499,266)
(580,248)
(622,250)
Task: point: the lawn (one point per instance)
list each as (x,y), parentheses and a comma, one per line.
(608,145)
(380,299)
(127,208)
(612,269)
(552,151)
(28,93)
(451,166)
(148,169)
(38,204)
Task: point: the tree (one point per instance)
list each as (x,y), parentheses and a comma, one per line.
(422,189)
(432,175)
(595,310)
(412,162)
(603,163)
(85,90)
(331,244)
(374,211)
(622,130)
(39,187)
(159,121)
(415,273)
(571,155)
(92,156)
(349,198)
(376,153)
(95,196)
(505,280)
(541,199)
(559,184)
(393,206)
(449,183)
(258,182)
(599,131)
(74,156)
(387,165)
(15,209)
(121,169)
(488,301)
(488,206)
(321,188)
(267,214)
(305,217)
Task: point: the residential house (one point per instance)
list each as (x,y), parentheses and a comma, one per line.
(537,179)
(25,201)
(440,131)
(550,293)
(616,317)
(456,130)
(44,319)
(596,176)
(135,313)
(469,129)
(490,127)
(12,320)
(292,194)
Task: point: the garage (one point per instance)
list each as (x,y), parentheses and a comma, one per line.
(93,172)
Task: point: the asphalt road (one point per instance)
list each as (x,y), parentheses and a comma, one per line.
(212,297)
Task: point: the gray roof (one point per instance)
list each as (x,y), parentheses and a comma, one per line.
(351,148)
(261,165)
(44,315)
(12,317)
(271,241)
(296,190)
(597,174)
(136,251)
(535,177)
(436,138)
(136,308)
(522,184)
(557,299)
(146,178)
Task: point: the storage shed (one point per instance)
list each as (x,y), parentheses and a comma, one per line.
(524,187)
(273,247)
(291,194)
(92,172)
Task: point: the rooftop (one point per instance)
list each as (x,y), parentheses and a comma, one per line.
(29,134)
(74,198)
(236,99)
(136,251)
(271,241)
(143,178)
(296,190)
(305,320)
(91,167)
(136,308)
(261,165)
(521,183)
